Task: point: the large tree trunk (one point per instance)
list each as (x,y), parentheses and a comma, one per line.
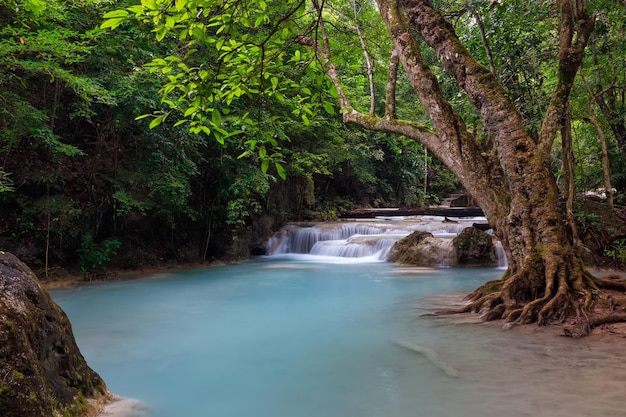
(513,183)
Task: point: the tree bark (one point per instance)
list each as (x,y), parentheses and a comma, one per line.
(513,183)
(545,280)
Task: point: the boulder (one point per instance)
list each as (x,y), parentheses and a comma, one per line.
(599,226)
(42,372)
(474,248)
(459,201)
(423,249)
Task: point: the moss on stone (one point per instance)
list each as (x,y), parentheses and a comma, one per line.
(42,372)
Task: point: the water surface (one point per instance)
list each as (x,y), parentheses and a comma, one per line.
(294,338)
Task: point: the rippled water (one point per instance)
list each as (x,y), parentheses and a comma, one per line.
(295,338)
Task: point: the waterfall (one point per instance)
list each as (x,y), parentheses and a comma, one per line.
(371,240)
(501,256)
(355,247)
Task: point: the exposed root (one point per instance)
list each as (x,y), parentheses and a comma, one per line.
(570,294)
(611,282)
(583,327)
(494,313)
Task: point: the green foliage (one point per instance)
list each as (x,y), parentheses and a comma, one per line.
(244,197)
(6,184)
(617,251)
(232,61)
(93,256)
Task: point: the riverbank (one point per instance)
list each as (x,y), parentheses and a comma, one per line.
(67,279)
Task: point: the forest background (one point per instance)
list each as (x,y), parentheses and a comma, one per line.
(84,185)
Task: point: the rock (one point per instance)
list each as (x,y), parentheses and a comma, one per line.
(474,248)
(42,372)
(423,249)
(599,227)
(460,201)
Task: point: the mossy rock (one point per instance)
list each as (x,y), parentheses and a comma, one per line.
(599,226)
(423,249)
(42,372)
(475,248)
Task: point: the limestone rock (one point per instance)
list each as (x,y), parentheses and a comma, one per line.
(42,372)
(474,248)
(423,249)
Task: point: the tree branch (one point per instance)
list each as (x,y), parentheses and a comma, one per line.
(575,28)
(368,62)
(390,90)
(500,117)
(483,36)
(410,129)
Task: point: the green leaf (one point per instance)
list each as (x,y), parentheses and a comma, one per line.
(329,108)
(138,9)
(265,165)
(151,4)
(180,4)
(280,170)
(245,154)
(216,117)
(157,121)
(115,13)
(190,111)
(112,23)
(218,137)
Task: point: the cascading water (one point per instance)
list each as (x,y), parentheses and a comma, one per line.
(501,256)
(371,240)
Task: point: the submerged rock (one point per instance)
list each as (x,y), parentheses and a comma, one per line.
(42,372)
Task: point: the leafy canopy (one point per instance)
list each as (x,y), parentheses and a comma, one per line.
(233,61)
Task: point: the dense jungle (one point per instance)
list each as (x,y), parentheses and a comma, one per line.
(156,133)
(145,134)
(87,187)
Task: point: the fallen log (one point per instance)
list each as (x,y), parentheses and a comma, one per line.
(370,213)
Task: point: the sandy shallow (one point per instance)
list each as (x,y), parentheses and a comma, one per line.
(527,370)
(117,406)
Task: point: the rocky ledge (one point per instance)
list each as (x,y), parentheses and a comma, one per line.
(42,372)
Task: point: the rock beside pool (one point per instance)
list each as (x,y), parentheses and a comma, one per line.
(423,249)
(472,247)
(42,372)
(475,247)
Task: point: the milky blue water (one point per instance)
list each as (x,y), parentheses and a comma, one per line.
(292,338)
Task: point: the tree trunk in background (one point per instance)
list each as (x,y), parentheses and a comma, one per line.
(568,172)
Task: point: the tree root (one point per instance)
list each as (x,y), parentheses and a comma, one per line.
(569,294)
(611,282)
(583,327)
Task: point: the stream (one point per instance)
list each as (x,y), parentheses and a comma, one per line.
(304,335)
